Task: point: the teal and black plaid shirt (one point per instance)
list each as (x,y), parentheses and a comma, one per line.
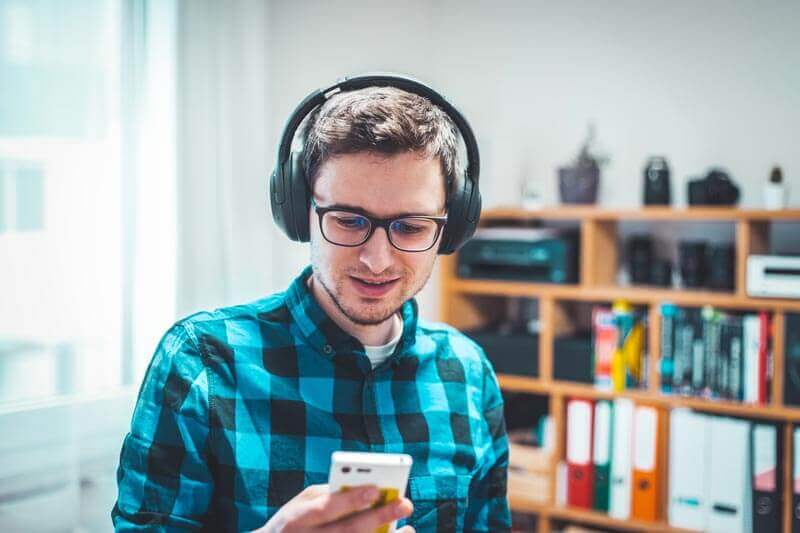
(241,408)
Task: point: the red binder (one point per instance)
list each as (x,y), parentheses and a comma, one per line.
(763,348)
(580,470)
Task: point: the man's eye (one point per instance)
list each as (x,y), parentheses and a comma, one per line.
(350,222)
(407,228)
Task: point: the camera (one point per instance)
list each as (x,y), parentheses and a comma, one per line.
(716,188)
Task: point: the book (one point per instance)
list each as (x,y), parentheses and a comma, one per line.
(604,343)
(667,368)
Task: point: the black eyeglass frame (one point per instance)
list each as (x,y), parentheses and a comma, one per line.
(376,222)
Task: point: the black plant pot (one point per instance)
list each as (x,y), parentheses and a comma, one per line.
(578,185)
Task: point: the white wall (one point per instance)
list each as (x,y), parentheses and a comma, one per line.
(703,83)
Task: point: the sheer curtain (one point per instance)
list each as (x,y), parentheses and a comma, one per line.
(88,239)
(226,235)
(133,170)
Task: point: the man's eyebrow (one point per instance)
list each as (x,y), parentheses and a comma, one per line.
(356,209)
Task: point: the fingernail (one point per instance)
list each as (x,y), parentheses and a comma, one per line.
(403,508)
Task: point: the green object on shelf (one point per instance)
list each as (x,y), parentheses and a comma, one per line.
(603,437)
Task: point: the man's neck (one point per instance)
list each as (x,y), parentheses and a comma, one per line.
(368,335)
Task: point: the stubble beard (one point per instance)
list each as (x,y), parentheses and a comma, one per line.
(376,316)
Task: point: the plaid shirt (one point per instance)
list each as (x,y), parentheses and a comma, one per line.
(241,408)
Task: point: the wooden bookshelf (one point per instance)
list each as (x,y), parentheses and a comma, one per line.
(645,397)
(469,303)
(592,519)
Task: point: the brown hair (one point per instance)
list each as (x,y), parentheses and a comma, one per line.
(383,120)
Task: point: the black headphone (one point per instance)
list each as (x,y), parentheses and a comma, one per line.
(289,192)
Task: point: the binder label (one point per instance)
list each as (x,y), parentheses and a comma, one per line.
(764,460)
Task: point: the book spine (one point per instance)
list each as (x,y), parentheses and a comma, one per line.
(698,353)
(683,353)
(709,361)
(737,365)
(725,358)
(763,356)
(668,312)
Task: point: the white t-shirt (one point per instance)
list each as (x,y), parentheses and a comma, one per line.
(378,354)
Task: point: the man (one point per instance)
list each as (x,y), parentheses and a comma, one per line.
(242,407)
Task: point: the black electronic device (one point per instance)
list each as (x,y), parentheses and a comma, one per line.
(572,358)
(657,190)
(721,262)
(692,256)
(661,273)
(517,353)
(640,258)
(289,190)
(716,188)
(510,353)
(521,254)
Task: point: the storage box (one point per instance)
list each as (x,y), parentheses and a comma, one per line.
(529,469)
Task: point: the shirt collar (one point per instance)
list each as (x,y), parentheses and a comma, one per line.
(329,339)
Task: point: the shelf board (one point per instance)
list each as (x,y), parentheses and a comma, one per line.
(696,214)
(589,517)
(724,407)
(635,295)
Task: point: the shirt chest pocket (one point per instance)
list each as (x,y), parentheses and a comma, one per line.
(440,502)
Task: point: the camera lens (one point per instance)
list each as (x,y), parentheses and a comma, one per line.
(345,469)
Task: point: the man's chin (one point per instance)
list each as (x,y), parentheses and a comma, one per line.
(369,319)
(365,312)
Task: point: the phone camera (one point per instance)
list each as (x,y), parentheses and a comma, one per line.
(345,470)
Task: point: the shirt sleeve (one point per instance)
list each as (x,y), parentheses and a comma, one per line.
(163,478)
(488,508)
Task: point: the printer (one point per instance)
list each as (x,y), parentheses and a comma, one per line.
(542,255)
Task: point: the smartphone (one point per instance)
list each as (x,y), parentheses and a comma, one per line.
(387,471)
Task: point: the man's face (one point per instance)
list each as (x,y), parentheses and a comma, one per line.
(383,187)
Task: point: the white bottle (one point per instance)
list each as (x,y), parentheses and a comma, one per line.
(775,191)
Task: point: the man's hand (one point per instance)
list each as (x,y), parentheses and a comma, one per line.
(316,509)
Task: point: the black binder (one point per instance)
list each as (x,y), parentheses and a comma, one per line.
(766,447)
(795,482)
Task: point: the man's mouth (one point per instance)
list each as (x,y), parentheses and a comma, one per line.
(374,288)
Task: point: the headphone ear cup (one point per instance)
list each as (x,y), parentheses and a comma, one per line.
(299,198)
(463,215)
(281,211)
(289,199)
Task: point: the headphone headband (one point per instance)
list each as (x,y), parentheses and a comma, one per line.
(404,83)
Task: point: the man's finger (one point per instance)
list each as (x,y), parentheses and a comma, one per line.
(313,491)
(374,518)
(330,507)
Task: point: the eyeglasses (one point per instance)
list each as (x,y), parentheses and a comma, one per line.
(353,227)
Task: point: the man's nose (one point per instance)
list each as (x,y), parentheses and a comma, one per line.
(377,252)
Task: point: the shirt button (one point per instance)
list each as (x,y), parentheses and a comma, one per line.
(328,349)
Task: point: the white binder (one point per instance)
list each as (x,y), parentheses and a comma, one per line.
(730,498)
(621,453)
(579,431)
(688,461)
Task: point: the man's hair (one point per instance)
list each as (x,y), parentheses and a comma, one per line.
(381,120)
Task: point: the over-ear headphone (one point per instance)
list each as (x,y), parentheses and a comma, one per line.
(289,189)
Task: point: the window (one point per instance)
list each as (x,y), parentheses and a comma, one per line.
(23,210)
(76,118)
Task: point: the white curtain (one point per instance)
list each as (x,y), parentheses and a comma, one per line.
(61,444)
(225,231)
